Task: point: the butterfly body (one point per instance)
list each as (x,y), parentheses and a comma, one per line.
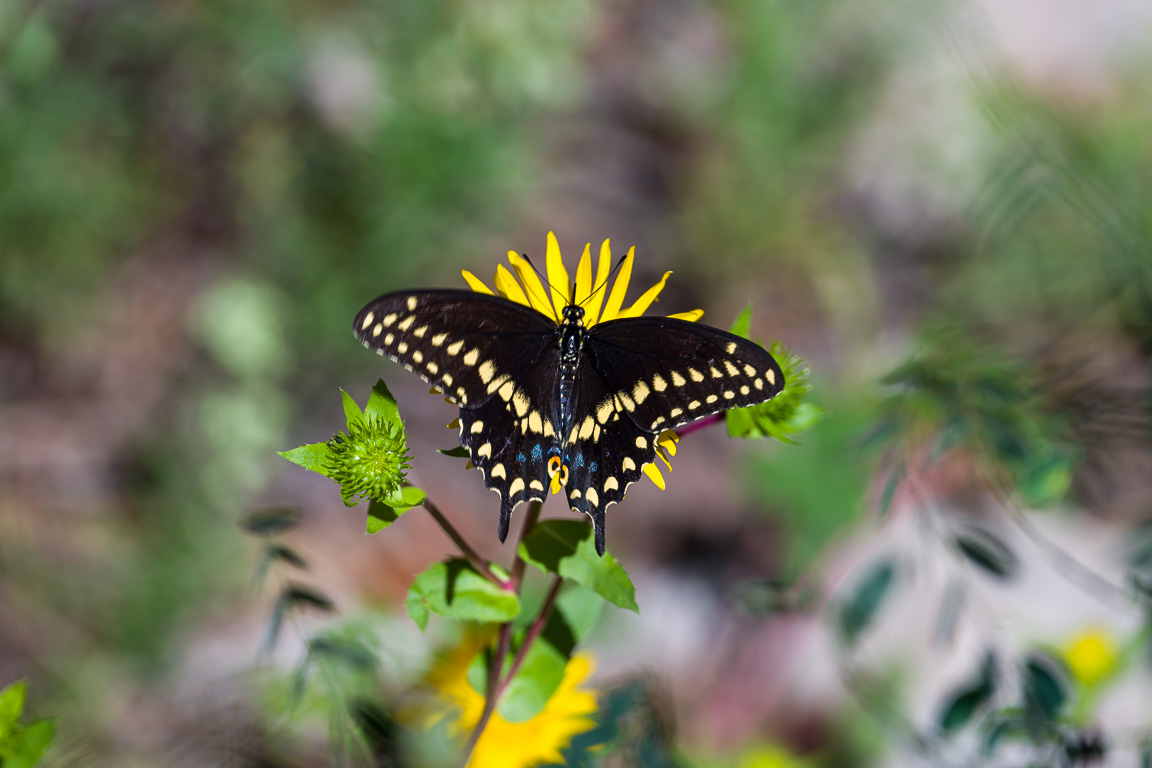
(540,398)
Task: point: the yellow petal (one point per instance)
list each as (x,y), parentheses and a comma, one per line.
(654,475)
(592,310)
(507,286)
(619,288)
(668,440)
(664,457)
(435,391)
(476,283)
(691,317)
(555,485)
(468,466)
(454,424)
(584,279)
(557,277)
(644,301)
(536,295)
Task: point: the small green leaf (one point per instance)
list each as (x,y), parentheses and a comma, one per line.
(11,706)
(453,589)
(459,452)
(741,326)
(1044,691)
(565,547)
(988,552)
(314,456)
(963,705)
(971,698)
(890,487)
(352,412)
(381,404)
(581,608)
(1045,480)
(347,652)
(287,555)
(380,516)
(26,745)
(857,612)
(271,521)
(295,595)
(536,680)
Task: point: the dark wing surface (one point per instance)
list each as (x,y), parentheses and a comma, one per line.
(493,358)
(641,376)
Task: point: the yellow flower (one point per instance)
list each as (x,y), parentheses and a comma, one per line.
(506,744)
(589,293)
(1091,656)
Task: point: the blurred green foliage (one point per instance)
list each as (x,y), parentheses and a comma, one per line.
(260,168)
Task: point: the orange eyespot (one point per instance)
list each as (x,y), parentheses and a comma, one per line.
(563,475)
(553,465)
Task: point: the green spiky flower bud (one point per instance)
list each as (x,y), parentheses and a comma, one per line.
(370,461)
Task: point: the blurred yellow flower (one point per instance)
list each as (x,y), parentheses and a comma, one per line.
(589,293)
(769,757)
(1091,656)
(506,744)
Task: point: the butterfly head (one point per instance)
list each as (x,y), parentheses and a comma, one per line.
(574,315)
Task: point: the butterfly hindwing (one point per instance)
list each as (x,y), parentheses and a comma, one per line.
(511,437)
(604,450)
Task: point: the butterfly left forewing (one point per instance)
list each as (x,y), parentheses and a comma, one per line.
(493,358)
(467,344)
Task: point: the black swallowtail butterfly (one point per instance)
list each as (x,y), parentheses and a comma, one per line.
(538,398)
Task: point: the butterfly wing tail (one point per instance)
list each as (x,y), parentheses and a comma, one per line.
(598,527)
(506,504)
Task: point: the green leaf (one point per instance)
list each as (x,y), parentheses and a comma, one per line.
(295,595)
(962,706)
(1045,693)
(382,514)
(890,487)
(454,589)
(565,547)
(741,326)
(382,405)
(857,611)
(287,555)
(581,608)
(271,521)
(968,700)
(11,706)
(988,552)
(352,412)
(26,745)
(459,452)
(314,456)
(1045,480)
(538,677)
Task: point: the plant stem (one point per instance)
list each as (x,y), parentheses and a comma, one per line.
(495,687)
(533,632)
(705,422)
(479,563)
(518,565)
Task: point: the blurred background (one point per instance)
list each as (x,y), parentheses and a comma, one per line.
(943,206)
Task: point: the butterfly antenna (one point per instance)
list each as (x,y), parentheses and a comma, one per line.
(605,281)
(542,276)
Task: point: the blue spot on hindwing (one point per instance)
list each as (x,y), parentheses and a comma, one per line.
(537,453)
(592,467)
(579,461)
